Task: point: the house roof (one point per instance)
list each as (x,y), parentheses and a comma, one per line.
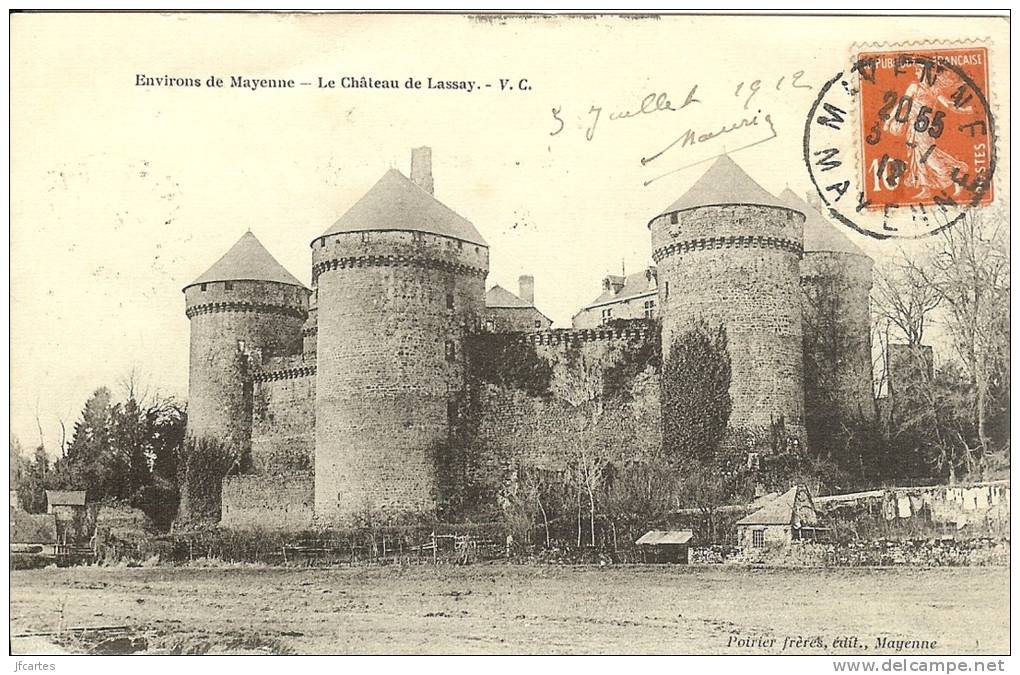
(794,507)
(247,260)
(65,497)
(33,528)
(635,284)
(656,537)
(497,296)
(395,202)
(819,233)
(724,183)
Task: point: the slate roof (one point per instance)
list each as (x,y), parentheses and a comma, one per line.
(497,296)
(633,285)
(33,528)
(65,497)
(395,202)
(247,260)
(724,183)
(819,233)
(655,537)
(794,507)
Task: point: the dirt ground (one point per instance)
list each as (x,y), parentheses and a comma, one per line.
(497,608)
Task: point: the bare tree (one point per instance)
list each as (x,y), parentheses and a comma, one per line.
(583,379)
(904,298)
(587,452)
(587,458)
(133,389)
(524,500)
(969,273)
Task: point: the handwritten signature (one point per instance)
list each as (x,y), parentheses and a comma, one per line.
(656,102)
(691,137)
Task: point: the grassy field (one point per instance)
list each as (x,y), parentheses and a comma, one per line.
(497,608)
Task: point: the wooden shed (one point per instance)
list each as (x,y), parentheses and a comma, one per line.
(68,507)
(65,502)
(665,546)
(791,516)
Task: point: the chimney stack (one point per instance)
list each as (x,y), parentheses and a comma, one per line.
(526,283)
(421,168)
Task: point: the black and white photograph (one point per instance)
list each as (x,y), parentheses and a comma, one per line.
(510,333)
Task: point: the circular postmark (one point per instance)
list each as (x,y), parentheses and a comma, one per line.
(903,144)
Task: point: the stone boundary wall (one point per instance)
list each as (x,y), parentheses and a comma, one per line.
(283,420)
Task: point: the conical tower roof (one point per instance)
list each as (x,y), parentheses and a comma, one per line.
(819,233)
(724,183)
(395,202)
(247,260)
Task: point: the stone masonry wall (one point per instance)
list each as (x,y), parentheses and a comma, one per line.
(537,432)
(268,502)
(311,328)
(518,429)
(393,309)
(738,265)
(283,416)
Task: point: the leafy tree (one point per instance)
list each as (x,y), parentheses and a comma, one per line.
(18,464)
(90,463)
(696,402)
(160,428)
(128,444)
(125,451)
(36,476)
(166,422)
(506,361)
(203,464)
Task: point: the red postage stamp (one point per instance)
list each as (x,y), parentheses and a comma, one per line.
(926,128)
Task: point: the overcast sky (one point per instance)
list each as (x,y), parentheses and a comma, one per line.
(122,194)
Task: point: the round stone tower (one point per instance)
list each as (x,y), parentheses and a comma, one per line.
(728,253)
(245,304)
(399,279)
(836,278)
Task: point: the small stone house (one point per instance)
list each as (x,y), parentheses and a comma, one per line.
(509,313)
(791,516)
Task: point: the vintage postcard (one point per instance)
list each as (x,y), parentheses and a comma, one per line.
(495,333)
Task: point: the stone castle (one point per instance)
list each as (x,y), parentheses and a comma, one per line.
(361,395)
